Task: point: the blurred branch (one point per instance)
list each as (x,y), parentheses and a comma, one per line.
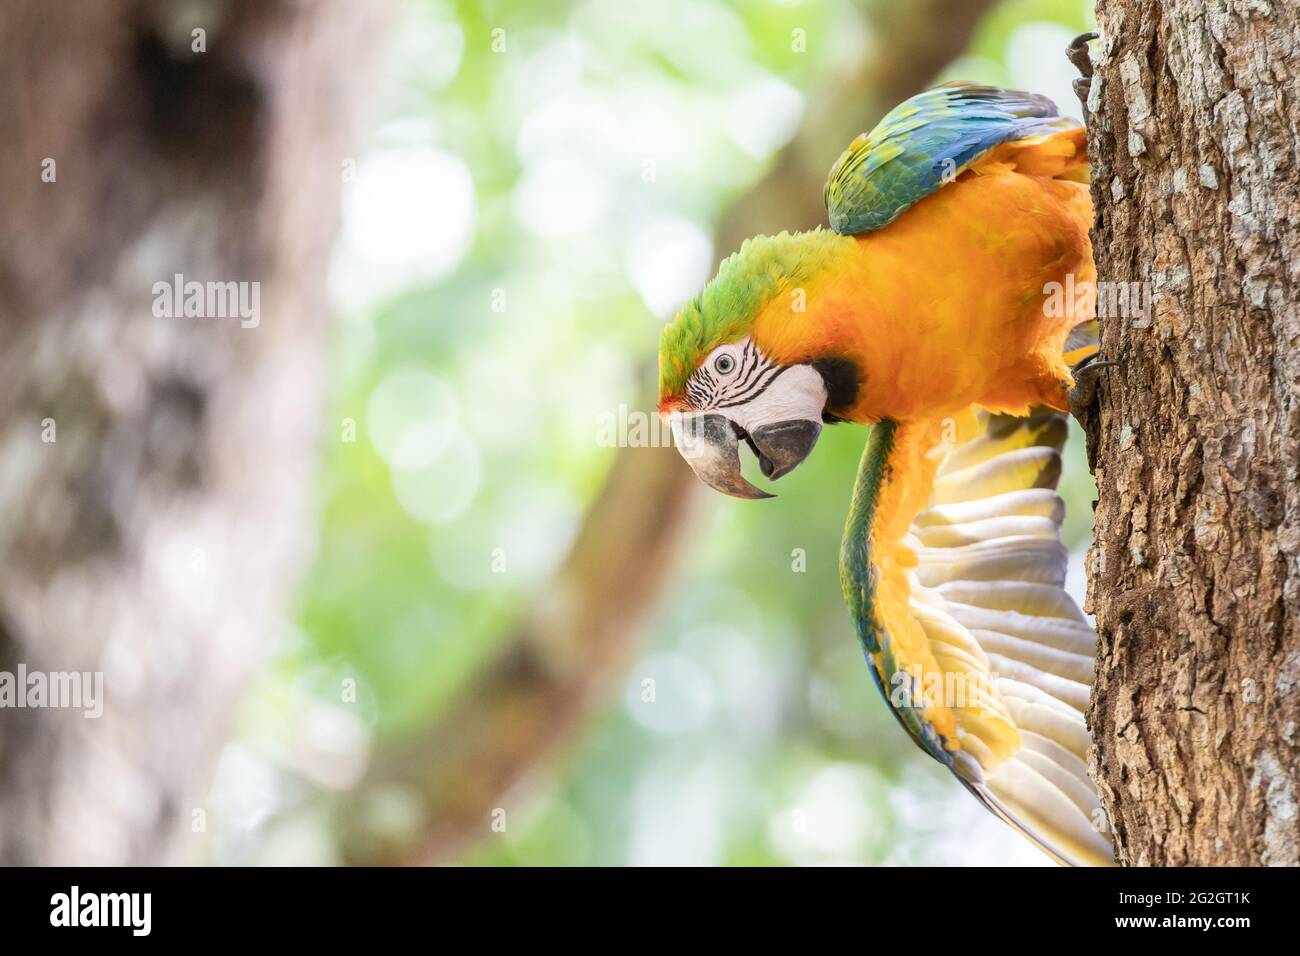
(577,640)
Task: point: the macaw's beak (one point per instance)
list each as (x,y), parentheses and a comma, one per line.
(710,443)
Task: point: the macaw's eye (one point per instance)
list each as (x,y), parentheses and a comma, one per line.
(724,364)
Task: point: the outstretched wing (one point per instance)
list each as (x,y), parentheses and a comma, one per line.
(926,142)
(954,571)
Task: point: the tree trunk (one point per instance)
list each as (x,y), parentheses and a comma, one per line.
(153,470)
(1195,133)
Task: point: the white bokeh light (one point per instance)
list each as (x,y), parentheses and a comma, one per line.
(832,820)
(435,482)
(561,195)
(505,410)
(669,693)
(407,219)
(582,115)
(945,824)
(677,817)
(431,47)
(750,685)
(762,114)
(1035,58)
(667,263)
(406,400)
(535,527)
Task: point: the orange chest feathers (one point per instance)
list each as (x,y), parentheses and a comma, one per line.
(951,304)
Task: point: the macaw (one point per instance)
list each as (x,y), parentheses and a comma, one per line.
(927,312)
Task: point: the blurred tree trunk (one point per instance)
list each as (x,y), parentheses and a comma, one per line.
(154,471)
(1195,573)
(577,641)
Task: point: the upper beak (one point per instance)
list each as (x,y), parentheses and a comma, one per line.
(710,443)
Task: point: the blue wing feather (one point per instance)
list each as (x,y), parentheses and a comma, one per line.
(925,142)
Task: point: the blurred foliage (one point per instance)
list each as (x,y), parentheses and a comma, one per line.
(519,224)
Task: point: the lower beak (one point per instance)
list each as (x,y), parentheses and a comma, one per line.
(710,443)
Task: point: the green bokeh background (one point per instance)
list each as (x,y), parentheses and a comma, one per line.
(515,227)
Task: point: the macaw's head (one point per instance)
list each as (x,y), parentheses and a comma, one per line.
(742,363)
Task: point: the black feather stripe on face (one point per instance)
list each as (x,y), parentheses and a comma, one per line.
(754,373)
(761,384)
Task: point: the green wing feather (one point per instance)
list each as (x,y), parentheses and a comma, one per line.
(858,576)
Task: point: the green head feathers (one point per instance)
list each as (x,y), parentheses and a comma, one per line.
(746,281)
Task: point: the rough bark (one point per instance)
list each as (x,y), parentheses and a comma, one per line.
(575,643)
(1193,576)
(154,538)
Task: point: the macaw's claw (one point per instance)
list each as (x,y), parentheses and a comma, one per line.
(1082,88)
(1077,52)
(1084,392)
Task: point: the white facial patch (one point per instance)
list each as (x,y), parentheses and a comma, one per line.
(798,392)
(737,380)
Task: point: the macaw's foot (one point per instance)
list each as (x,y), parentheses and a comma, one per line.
(1084,391)
(1077,52)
